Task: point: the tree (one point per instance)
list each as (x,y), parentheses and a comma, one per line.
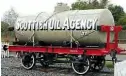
(8,20)
(103,3)
(4,26)
(4,29)
(122,21)
(91,4)
(117,12)
(79,5)
(10,17)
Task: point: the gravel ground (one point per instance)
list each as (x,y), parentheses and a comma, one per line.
(12,67)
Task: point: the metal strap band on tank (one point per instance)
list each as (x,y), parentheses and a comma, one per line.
(42,23)
(71,34)
(77,40)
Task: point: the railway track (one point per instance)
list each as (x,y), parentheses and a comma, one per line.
(12,67)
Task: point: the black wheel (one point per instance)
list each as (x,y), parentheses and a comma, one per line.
(97,63)
(28,61)
(43,60)
(81,66)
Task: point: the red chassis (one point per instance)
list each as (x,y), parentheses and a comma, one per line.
(82,59)
(67,50)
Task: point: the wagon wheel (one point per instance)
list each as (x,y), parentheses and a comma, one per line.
(98,64)
(43,60)
(81,66)
(28,60)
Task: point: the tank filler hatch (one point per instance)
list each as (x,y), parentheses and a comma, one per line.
(61,7)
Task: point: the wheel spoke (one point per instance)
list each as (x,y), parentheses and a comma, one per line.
(43,60)
(28,61)
(81,66)
(98,64)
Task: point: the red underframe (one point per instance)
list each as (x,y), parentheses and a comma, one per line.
(68,50)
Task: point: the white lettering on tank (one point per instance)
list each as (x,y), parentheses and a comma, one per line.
(17,26)
(52,24)
(40,25)
(66,24)
(78,24)
(72,24)
(83,24)
(25,26)
(22,26)
(58,25)
(29,26)
(89,25)
(95,24)
(45,27)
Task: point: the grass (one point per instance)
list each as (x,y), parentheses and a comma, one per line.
(109,64)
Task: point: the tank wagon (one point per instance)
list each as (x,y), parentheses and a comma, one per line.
(84,48)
